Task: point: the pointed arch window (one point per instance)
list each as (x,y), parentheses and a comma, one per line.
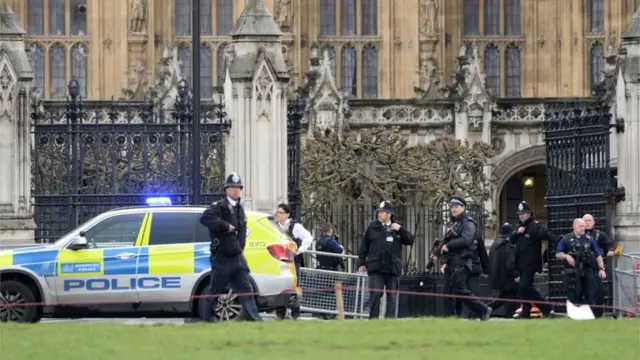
(512,21)
(492,69)
(492,17)
(369,17)
(56,17)
(220,61)
(182,17)
(471,17)
(206,72)
(184,56)
(57,72)
(79,63)
(35,17)
(37,63)
(597,64)
(327,17)
(369,71)
(596,16)
(78,19)
(205,17)
(513,71)
(224,17)
(348,17)
(349,70)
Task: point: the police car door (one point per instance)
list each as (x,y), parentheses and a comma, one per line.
(105,273)
(166,273)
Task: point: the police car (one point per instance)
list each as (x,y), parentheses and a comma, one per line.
(138,260)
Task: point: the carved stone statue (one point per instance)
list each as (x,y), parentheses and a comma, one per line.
(136,81)
(429,68)
(284,14)
(431,10)
(137,21)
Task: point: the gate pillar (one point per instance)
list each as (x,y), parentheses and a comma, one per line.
(256,82)
(16,218)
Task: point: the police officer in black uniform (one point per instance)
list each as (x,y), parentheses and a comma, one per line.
(479,266)
(328,243)
(503,273)
(528,238)
(581,257)
(227,226)
(381,256)
(608,246)
(458,247)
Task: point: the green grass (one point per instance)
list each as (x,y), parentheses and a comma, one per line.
(330,340)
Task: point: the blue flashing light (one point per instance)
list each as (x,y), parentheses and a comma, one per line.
(158,201)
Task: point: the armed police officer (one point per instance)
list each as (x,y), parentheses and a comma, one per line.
(479,266)
(303,240)
(328,243)
(503,275)
(581,257)
(227,226)
(380,256)
(458,247)
(607,245)
(528,241)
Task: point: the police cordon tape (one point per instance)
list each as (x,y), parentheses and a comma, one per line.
(629,309)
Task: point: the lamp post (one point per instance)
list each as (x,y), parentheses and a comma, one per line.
(195,80)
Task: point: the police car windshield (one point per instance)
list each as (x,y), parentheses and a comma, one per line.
(72,230)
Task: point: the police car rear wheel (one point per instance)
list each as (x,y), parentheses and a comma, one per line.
(17,302)
(229,307)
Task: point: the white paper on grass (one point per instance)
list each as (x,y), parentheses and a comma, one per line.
(582,312)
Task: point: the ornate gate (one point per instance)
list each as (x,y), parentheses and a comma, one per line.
(93,156)
(578,175)
(295,126)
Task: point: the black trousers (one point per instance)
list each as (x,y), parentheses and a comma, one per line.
(378,282)
(473,283)
(508,292)
(295,311)
(455,283)
(528,294)
(582,289)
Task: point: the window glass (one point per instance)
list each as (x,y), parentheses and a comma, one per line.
(173,228)
(116,231)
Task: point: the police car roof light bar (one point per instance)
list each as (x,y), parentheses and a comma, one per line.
(158,201)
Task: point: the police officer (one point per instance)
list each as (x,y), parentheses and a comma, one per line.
(458,247)
(607,245)
(528,240)
(479,266)
(503,275)
(380,256)
(328,243)
(303,240)
(581,257)
(227,226)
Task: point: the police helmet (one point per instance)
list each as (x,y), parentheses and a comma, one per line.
(233,180)
(524,207)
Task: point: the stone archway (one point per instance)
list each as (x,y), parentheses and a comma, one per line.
(511,164)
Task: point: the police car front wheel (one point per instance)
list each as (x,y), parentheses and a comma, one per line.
(17,302)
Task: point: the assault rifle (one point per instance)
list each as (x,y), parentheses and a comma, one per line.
(434,252)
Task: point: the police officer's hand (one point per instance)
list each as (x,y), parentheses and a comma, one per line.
(611,253)
(362,268)
(602,274)
(232,228)
(444,249)
(570,260)
(521,230)
(395,226)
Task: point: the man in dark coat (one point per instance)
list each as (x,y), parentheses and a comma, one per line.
(528,241)
(458,247)
(227,226)
(380,256)
(479,266)
(503,275)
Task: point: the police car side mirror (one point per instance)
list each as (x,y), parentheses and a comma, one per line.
(80,242)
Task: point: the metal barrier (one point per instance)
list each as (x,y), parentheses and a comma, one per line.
(626,285)
(350,262)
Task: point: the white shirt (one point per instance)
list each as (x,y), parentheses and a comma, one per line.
(299,232)
(231,201)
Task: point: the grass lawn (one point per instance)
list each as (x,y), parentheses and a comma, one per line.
(331,340)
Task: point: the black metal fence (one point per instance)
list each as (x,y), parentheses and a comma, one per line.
(578,175)
(93,156)
(295,126)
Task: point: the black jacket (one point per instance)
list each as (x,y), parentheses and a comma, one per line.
(480,259)
(604,241)
(460,241)
(380,255)
(217,219)
(529,244)
(502,264)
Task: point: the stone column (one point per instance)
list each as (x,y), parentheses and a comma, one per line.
(627,221)
(256,85)
(16,217)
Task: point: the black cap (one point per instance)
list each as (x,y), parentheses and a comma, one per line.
(506,229)
(233,180)
(457,200)
(524,207)
(385,206)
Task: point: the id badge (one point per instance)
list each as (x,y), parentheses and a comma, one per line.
(389,238)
